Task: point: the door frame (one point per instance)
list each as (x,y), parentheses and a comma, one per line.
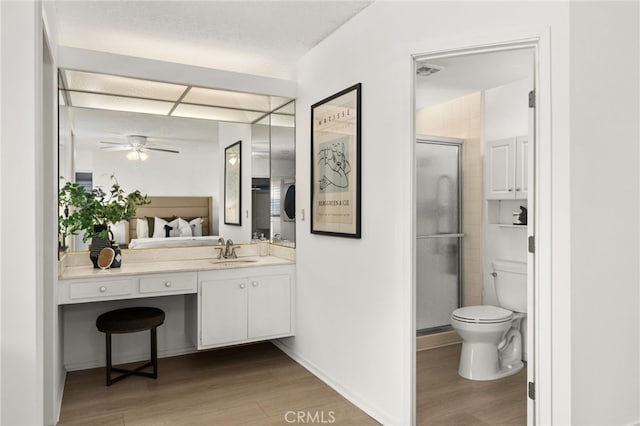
(547,407)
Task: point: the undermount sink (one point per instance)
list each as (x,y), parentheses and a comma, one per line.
(237,260)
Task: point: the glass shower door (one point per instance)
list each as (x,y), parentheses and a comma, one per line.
(438,231)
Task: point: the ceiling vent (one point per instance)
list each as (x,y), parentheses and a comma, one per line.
(425,70)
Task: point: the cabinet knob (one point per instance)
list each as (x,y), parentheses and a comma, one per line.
(510,189)
(103,289)
(167,284)
(517,189)
(242,286)
(254,283)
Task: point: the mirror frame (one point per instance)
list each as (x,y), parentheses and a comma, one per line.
(233,185)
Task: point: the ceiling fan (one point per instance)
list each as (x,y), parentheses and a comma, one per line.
(138,147)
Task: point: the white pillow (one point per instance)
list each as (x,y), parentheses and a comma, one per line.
(142,228)
(196,226)
(181,228)
(158,227)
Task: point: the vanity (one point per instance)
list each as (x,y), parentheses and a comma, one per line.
(209,302)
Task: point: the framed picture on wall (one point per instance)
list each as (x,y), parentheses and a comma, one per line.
(335,164)
(232,184)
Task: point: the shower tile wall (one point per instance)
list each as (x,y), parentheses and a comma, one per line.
(462,118)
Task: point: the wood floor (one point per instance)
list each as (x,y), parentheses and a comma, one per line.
(445,398)
(258,385)
(244,385)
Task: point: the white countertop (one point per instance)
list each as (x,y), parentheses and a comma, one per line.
(158,266)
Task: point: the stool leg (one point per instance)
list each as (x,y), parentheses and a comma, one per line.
(108,337)
(154,352)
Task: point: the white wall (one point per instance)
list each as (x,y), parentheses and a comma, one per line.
(65,144)
(604,195)
(506,114)
(230,133)
(21,225)
(354,325)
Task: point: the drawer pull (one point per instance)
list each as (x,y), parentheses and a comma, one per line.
(255,283)
(242,286)
(103,289)
(167,284)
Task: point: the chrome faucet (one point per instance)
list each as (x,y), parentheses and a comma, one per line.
(230,250)
(221,250)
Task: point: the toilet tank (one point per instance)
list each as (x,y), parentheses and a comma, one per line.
(510,279)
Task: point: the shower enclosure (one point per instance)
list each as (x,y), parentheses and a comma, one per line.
(438,231)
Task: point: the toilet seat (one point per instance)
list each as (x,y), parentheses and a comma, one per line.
(482,314)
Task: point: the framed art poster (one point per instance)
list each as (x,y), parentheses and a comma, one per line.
(335,164)
(232,184)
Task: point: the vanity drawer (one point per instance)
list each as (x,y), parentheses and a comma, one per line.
(170,283)
(96,290)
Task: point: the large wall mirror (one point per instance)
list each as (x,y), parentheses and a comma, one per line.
(168,141)
(273,176)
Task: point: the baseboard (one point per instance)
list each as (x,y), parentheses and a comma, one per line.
(95,363)
(59,396)
(437,340)
(376,414)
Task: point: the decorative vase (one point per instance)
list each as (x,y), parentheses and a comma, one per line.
(97,244)
(117,260)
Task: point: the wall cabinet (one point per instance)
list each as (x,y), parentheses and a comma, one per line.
(506,169)
(244,306)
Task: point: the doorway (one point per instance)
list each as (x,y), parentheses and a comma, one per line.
(481,97)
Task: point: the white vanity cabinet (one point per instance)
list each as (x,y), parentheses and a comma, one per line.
(244,305)
(98,288)
(506,169)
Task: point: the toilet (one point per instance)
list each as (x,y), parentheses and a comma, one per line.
(492,343)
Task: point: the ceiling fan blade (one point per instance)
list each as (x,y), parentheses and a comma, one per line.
(115,143)
(173,151)
(116,148)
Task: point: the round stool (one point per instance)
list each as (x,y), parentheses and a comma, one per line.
(131,320)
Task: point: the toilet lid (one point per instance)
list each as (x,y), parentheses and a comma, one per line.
(484,314)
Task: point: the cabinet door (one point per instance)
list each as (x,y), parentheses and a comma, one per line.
(223,311)
(499,169)
(269,306)
(522,167)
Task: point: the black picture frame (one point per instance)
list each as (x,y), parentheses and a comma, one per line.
(233,184)
(336,167)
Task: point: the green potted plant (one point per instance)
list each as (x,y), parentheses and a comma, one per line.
(92,211)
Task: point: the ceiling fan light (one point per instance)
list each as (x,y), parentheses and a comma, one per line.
(137,155)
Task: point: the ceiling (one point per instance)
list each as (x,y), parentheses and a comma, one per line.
(462,75)
(256,37)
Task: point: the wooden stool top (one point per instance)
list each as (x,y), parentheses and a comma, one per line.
(130,320)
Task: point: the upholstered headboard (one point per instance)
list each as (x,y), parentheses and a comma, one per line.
(184,207)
